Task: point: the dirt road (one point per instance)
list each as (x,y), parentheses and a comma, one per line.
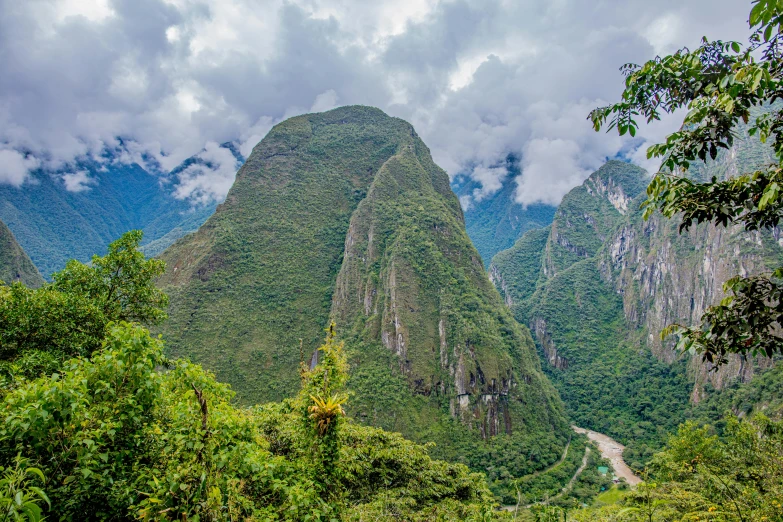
(613,451)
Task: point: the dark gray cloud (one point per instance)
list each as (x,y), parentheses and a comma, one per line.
(478,79)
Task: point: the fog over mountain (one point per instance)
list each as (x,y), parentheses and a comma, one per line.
(478,80)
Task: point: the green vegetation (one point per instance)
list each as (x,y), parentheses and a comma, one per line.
(554,280)
(516,271)
(611,496)
(583,221)
(597,312)
(343,216)
(542,486)
(41,328)
(700,476)
(15,265)
(606,382)
(588,212)
(129,434)
(124,433)
(20,500)
(259,275)
(763,394)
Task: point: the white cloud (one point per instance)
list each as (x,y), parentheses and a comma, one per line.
(491,181)
(551,167)
(14,167)
(325,101)
(209,180)
(78,181)
(478,79)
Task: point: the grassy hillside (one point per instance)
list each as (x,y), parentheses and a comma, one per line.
(15,265)
(344,216)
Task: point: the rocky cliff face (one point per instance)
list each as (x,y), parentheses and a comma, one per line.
(589,213)
(15,265)
(344,217)
(665,277)
(607,282)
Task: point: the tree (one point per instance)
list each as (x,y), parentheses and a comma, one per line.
(719,83)
(121,283)
(68,317)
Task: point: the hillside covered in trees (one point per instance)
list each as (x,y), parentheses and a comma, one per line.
(15,264)
(329,344)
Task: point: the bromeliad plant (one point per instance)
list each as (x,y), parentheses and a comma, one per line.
(323,398)
(324,385)
(326,411)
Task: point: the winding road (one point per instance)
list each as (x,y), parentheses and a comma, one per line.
(610,449)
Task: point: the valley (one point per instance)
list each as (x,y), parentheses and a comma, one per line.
(403,275)
(382,254)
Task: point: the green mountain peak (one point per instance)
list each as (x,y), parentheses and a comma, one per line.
(343,216)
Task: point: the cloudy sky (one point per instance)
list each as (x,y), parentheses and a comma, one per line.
(477,79)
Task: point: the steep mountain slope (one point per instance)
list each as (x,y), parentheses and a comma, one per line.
(344,216)
(54,224)
(15,265)
(582,223)
(496,221)
(601,285)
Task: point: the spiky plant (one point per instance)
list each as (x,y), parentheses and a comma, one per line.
(324,411)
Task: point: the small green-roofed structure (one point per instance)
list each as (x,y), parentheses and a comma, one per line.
(603,470)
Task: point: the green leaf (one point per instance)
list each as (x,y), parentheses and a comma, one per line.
(38,472)
(770,195)
(755,15)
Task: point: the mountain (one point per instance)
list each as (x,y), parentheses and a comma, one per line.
(494,222)
(343,216)
(57,218)
(599,285)
(15,265)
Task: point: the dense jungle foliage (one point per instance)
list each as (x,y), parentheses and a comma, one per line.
(99,425)
(702,476)
(552,279)
(722,84)
(122,432)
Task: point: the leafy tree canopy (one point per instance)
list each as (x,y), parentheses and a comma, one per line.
(719,83)
(130,435)
(41,328)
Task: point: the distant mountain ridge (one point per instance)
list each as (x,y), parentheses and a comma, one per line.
(599,284)
(54,224)
(495,221)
